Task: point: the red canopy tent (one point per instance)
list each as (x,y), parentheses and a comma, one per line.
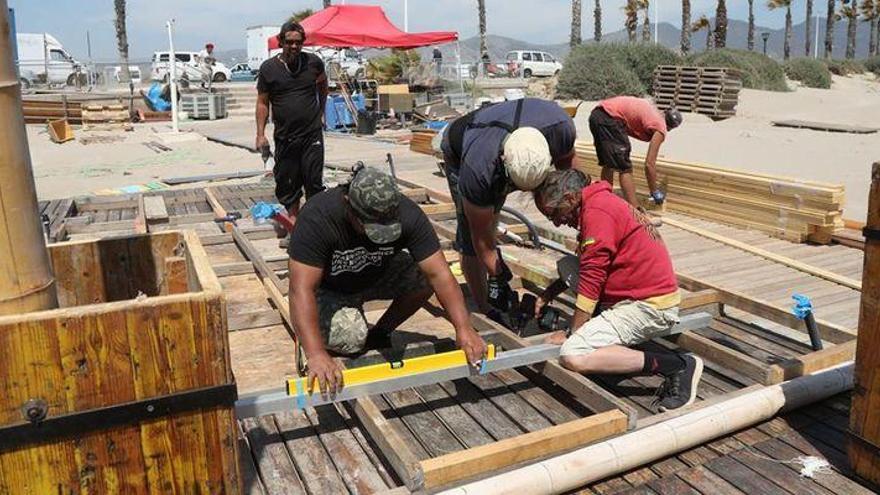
(361,26)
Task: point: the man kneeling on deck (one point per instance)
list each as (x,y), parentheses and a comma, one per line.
(626,288)
(360,242)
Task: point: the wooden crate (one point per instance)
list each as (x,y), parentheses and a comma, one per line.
(141,323)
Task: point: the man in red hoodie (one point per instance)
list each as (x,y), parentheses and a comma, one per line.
(626,288)
(613,122)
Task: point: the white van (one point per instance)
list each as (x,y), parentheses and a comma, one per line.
(38,52)
(531,63)
(188,66)
(350,60)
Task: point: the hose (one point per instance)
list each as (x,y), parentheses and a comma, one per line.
(533,231)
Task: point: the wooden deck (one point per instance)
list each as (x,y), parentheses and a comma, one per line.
(333,450)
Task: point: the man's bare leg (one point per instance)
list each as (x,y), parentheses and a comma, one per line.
(608,175)
(629,187)
(613,359)
(475,276)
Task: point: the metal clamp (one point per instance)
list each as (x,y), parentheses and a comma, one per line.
(40,427)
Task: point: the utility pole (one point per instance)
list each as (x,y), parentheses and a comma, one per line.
(172,65)
(816,44)
(765,36)
(406,15)
(656,21)
(864,422)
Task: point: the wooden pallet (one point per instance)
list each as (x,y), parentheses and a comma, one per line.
(706,90)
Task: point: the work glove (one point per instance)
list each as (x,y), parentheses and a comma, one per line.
(501,296)
(658,196)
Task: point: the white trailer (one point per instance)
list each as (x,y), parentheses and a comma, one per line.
(258,44)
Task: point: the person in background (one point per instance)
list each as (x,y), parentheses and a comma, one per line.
(438,61)
(613,122)
(207,61)
(293,84)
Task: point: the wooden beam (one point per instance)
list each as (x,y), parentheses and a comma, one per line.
(155,210)
(761,372)
(819,360)
(219,211)
(437,208)
(763,253)
(140,219)
(865,414)
(491,457)
(393,446)
(255,319)
(829,331)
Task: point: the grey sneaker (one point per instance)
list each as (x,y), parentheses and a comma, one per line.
(680,389)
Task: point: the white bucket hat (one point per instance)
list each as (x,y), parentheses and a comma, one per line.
(527,158)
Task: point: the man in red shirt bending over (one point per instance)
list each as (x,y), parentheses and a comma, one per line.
(624,271)
(616,118)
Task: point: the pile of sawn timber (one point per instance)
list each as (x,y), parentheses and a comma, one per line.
(793,209)
(421,141)
(712,91)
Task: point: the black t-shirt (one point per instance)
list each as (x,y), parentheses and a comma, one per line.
(294,94)
(324,238)
(481,177)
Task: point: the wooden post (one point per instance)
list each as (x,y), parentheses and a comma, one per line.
(865,414)
(26,280)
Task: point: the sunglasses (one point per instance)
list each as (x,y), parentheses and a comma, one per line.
(291,42)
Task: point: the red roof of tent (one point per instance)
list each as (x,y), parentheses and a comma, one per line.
(343,26)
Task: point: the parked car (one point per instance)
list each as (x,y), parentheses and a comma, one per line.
(133,70)
(42,52)
(242,72)
(188,66)
(530,63)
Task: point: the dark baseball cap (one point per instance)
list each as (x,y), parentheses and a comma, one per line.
(375,199)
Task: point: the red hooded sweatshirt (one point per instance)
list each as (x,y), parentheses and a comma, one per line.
(622,255)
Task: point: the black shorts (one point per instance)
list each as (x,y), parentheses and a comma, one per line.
(299,165)
(612,143)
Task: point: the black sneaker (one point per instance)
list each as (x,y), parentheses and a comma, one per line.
(680,389)
(378,338)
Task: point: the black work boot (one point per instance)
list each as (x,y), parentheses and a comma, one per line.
(680,388)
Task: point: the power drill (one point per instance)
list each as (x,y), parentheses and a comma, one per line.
(524,311)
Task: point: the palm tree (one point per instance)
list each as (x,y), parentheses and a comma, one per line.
(597,21)
(645,6)
(703,23)
(686,26)
(721,24)
(122,40)
(831,16)
(778,4)
(751,36)
(299,15)
(870,11)
(850,10)
(808,45)
(575,23)
(631,11)
(484,49)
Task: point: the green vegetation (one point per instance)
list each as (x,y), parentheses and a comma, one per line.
(757,70)
(597,71)
(845,67)
(810,72)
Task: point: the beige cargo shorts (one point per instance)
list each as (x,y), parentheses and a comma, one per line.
(626,323)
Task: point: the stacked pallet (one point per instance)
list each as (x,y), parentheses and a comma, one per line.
(421,141)
(712,91)
(113,116)
(792,209)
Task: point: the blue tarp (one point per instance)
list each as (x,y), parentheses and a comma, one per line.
(153,97)
(336,113)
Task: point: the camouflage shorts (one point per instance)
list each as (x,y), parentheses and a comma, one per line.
(341,316)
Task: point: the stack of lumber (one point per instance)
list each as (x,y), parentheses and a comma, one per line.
(792,209)
(113,116)
(712,91)
(41,111)
(421,141)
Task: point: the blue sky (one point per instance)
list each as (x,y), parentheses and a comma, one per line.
(224,21)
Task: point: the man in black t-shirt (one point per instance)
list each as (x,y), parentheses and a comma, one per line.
(358,243)
(294,84)
(489,153)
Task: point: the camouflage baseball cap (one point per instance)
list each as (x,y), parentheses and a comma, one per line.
(374,197)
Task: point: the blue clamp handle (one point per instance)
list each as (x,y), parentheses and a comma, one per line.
(802,306)
(483,366)
(262,210)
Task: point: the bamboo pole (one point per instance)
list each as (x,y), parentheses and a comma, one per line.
(864,446)
(26,279)
(571,471)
